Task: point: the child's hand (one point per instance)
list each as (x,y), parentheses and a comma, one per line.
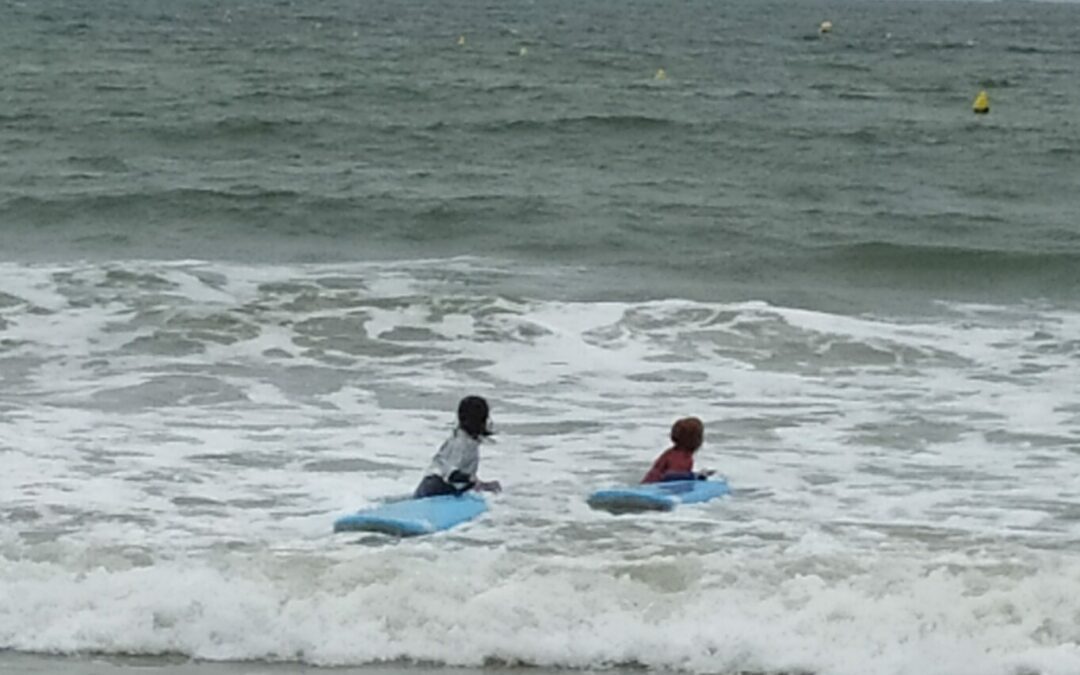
(489,486)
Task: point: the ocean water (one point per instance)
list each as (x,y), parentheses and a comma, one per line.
(251,255)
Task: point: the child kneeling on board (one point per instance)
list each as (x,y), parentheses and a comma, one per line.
(453,469)
(677,462)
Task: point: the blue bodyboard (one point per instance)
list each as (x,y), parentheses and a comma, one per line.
(412,517)
(657,496)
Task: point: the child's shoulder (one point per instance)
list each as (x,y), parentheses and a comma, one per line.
(461,437)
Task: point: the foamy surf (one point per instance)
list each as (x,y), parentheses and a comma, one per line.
(177,439)
(782,608)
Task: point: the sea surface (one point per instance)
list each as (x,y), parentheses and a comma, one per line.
(252,254)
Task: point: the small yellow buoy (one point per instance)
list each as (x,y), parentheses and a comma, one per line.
(826,27)
(661,74)
(461,41)
(982,103)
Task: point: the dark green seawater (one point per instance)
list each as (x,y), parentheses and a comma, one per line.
(771,163)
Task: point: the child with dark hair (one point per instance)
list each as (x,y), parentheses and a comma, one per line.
(677,462)
(453,469)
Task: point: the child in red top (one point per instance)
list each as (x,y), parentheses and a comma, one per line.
(677,462)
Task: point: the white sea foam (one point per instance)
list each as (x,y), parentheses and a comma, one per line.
(729,610)
(177,439)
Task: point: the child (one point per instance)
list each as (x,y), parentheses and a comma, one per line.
(453,469)
(677,462)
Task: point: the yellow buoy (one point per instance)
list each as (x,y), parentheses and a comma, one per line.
(661,74)
(982,103)
(826,27)
(524,51)
(461,41)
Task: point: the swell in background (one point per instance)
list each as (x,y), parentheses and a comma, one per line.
(771,163)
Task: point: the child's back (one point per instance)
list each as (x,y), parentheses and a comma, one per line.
(454,467)
(677,462)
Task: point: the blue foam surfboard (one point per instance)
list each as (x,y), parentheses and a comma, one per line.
(657,496)
(412,517)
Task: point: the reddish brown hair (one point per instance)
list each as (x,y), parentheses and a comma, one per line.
(688,433)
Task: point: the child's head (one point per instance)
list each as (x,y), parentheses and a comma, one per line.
(688,433)
(472,415)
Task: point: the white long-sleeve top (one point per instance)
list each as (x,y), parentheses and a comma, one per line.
(460,452)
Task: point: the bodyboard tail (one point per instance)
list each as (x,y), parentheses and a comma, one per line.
(414,517)
(656,496)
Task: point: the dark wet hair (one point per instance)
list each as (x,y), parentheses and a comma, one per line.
(472,415)
(688,433)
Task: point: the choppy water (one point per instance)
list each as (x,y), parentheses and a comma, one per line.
(769,161)
(253,254)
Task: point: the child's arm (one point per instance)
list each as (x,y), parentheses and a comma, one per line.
(659,468)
